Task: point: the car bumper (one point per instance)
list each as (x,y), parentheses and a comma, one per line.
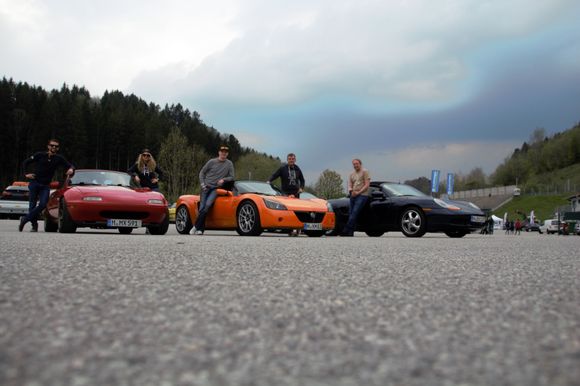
(14,207)
(96,214)
(285,219)
(441,222)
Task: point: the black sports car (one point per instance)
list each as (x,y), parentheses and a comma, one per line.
(398,207)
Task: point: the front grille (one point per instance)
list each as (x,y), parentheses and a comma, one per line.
(310,216)
(118,214)
(460,220)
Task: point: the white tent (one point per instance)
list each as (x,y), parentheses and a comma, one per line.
(497,222)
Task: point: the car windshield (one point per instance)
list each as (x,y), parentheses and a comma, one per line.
(256,187)
(100,177)
(307,196)
(398,190)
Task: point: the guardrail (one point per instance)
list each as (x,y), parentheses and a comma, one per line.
(486,192)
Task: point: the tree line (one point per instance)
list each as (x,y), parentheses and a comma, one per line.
(106,132)
(540,157)
(109,132)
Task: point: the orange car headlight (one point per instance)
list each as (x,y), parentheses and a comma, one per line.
(270,204)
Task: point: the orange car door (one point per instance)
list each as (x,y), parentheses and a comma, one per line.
(223,213)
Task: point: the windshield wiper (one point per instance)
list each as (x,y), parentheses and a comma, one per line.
(262,193)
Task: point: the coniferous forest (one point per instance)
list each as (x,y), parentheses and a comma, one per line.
(107,132)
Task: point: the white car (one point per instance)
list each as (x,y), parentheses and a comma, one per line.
(14,201)
(550,226)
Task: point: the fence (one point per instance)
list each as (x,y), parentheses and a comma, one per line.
(486,192)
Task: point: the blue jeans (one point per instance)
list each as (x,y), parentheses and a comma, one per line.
(37,200)
(356,206)
(208,197)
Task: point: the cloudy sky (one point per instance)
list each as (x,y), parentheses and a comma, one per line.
(406,85)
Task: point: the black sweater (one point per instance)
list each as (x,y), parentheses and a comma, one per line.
(291,177)
(45,166)
(146,176)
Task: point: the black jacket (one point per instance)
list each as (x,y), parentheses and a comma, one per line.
(291,177)
(45,166)
(146,176)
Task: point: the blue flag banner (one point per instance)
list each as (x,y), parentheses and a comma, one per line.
(450,182)
(435,180)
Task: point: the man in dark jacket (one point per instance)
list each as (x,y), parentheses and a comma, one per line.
(291,177)
(45,164)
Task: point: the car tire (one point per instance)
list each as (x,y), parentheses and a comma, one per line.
(183,220)
(125,230)
(248,219)
(455,234)
(314,233)
(65,222)
(160,229)
(374,233)
(412,222)
(49,225)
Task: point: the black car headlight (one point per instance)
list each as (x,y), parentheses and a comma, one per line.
(270,204)
(445,205)
(471,204)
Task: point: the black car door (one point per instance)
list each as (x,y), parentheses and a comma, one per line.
(380,208)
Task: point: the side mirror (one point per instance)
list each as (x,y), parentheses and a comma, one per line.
(378,195)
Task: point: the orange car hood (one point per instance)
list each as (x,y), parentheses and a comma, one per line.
(302,205)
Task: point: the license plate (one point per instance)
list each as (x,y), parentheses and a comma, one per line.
(124,223)
(478,219)
(312,227)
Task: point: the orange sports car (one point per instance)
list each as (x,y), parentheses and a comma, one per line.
(252,207)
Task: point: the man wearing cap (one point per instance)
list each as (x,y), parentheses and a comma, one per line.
(213,175)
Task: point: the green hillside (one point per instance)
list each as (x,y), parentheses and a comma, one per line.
(543,206)
(556,181)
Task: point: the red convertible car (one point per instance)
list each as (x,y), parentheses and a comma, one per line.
(105,199)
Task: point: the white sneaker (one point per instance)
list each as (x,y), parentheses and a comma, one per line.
(194,231)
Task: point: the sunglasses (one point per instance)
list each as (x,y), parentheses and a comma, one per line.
(55,146)
(146,155)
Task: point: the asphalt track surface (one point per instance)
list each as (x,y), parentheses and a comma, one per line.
(100,308)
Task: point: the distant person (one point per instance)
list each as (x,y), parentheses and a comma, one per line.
(213,175)
(290,176)
(518,227)
(145,171)
(45,165)
(358,191)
